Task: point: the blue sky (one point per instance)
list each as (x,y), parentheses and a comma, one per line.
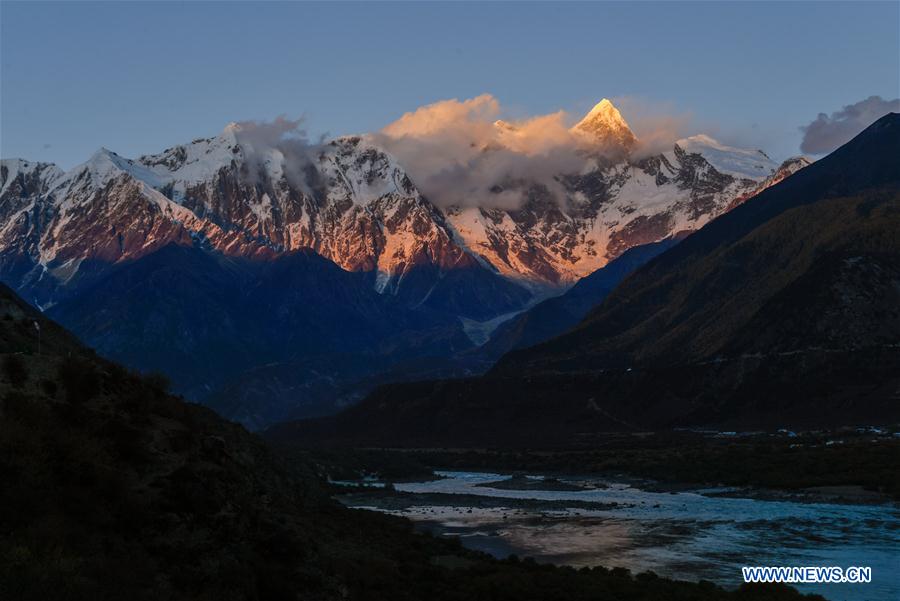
(138,77)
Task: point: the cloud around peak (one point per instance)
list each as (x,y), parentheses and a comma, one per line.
(468,153)
(460,152)
(283,140)
(828,132)
(473,153)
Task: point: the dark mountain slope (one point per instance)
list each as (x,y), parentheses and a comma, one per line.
(688,304)
(557,315)
(331,382)
(114,489)
(203,319)
(824,276)
(784,312)
(170,311)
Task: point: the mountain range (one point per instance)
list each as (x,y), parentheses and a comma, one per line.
(783,312)
(279,280)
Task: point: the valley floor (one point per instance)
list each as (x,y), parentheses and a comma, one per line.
(846,465)
(687,505)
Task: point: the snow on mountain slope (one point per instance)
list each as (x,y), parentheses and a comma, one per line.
(23,185)
(350,202)
(608,208)
(353,203)
(189,164)
(21,178)
(737,162)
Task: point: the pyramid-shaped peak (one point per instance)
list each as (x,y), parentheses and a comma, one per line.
(605,107)
(605,124)
(606,111)
(103,153)
(104,160)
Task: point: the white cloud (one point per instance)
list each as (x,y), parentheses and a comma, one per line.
(459,153)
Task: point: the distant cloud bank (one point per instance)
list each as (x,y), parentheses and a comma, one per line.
(829,132)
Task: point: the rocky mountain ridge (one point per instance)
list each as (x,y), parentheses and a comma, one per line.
(245,317)
(353,203)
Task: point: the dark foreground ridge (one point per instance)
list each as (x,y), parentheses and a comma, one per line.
(114,489)
(784,312)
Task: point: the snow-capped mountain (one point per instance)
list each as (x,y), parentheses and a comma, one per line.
(351,202)
(736,162)
(353,205)
(613,205)
(605,124)
(205,261)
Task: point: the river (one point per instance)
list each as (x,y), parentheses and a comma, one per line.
(687,535)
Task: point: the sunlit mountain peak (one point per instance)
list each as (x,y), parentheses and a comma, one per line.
(605,124)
